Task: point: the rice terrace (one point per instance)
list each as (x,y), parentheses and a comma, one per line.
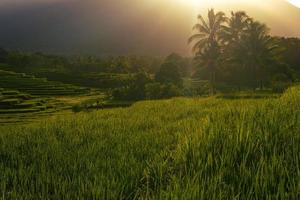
(160,99)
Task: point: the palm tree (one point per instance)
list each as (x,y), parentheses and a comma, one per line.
(256,49)
(231,35)
(235,26)
(207,42)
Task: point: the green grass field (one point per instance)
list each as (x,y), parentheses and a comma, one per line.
(183,148)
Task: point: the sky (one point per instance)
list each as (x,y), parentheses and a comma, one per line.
(114,27)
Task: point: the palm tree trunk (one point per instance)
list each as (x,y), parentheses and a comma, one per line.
(261,85)
(254,79)
(212,82)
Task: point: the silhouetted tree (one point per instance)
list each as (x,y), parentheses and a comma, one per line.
(291,52)
(207,40)
(231,35)
(235,26)
(256,51)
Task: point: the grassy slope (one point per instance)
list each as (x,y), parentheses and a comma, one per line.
(174,149)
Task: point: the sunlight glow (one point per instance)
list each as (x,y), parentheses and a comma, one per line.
(295,2)
(194,2)
(201,3)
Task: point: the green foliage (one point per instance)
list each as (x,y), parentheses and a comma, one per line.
(240,51)
(169,73)
(98,72)
(291,47)
(162,91)
(280,87)
(77,108)
(184,65)
(135,90)
(195,87)
(172,149)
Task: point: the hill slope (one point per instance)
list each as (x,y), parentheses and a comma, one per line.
(37,86)
(173,149)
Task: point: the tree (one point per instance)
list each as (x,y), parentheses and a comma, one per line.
(256,51)
(169,73)
(291,52)
(185,66)
(235,27)
(231,35)
(207,46)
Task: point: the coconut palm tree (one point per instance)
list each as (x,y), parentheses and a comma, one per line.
(207,42)
(256,50)
(231,35)
(235,26)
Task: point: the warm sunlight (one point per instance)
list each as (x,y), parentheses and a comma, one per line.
(149,99)
(200,3)
(196,3)
(205,3)
(295,2)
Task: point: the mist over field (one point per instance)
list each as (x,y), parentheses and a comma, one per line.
(118,27)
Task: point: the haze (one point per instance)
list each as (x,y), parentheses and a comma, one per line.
(147,27)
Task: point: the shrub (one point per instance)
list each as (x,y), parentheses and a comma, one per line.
(280,83)
(171,90)
(160,91)
(169,73)
(135,91)
(280,87)
(121,93)
(153,90)
(77,108)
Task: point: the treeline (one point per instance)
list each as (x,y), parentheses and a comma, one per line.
(232,53)
(37,62)
(239,51)
(100,72)
(165,83)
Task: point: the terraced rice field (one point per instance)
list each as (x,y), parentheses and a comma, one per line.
(25,98)
(16,106)
(37,86)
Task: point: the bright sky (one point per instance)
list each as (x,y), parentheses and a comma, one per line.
(130,25)
(283,16)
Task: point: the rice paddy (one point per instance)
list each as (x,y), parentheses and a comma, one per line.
(183,148)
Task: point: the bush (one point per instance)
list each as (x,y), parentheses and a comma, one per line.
(77,108)
(280,83)
(153,91)
(135,91)
(121,93)
(280,87)
(160,91)
(171,90)
(169,73)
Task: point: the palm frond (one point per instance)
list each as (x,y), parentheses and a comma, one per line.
(203,22)
(200,28)
(200,45)
(196,36)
